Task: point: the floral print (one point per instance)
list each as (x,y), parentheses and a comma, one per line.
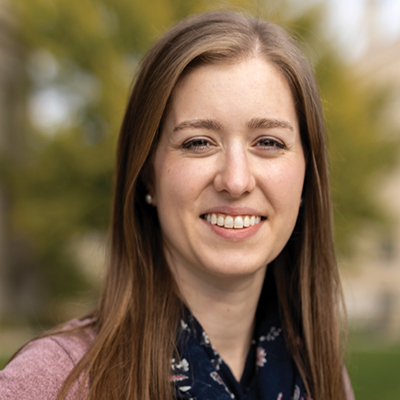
(184,326)
(216,358)
(271,335)
(177,378)
(214,375)
(296,394)
(261,357)
(183,365)
(199,373)
(177,373)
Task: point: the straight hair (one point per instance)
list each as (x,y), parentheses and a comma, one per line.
(140,306)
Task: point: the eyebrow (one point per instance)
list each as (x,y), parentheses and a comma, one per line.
(208,124)
(269,123)
(254,123)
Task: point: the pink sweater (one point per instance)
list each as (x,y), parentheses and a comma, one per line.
(39,370)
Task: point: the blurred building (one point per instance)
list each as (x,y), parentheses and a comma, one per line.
(372,288)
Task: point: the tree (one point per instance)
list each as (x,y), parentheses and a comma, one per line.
(82,56)
(359,152)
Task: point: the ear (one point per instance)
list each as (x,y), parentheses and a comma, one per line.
(150,197)
(147,178)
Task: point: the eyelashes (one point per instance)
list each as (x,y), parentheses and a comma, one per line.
(268,142)
(197,144)
(204,144)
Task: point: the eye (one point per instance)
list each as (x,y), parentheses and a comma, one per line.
(197,144)
(269,143)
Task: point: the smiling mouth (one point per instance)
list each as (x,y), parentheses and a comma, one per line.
(233,222)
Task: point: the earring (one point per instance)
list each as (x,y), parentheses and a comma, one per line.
(148,198)
(301,202)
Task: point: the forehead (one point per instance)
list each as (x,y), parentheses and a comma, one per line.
(252,86)
(250,65)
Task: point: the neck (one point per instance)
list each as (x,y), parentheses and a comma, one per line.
(233,304)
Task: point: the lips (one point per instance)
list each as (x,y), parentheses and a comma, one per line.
(232,221)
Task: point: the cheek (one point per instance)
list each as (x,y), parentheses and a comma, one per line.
(286,184)
(178,182)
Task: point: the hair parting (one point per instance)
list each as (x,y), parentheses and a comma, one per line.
(139,309)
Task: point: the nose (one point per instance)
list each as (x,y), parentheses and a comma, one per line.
(235,175)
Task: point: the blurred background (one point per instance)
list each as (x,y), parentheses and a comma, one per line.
(66,67)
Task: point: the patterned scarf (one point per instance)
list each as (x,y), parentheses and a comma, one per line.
(269,374)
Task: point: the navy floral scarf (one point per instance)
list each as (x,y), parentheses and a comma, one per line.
(269,374)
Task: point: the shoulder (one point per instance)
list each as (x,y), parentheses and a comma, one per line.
(40,368)
(347,385)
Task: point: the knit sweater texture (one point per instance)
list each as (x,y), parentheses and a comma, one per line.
(41,367)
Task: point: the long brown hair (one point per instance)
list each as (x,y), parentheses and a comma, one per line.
(138,312)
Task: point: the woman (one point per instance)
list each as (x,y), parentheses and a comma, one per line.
(222,278)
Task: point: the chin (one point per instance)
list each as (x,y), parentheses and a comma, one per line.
(235,269)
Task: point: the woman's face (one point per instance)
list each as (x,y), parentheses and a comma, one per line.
(228,170)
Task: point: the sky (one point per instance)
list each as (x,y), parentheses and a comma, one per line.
(349,21)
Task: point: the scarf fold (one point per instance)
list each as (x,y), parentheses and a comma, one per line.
(269,374)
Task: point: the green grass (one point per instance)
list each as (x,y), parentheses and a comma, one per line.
(375,374)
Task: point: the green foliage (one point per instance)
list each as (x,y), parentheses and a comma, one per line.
(359,150)
(374,374)
(3,361)
(87,52)
(93,47)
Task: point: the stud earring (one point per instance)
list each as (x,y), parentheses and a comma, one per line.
(148,198)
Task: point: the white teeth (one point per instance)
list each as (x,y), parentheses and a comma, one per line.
(238,223)
(229,222)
